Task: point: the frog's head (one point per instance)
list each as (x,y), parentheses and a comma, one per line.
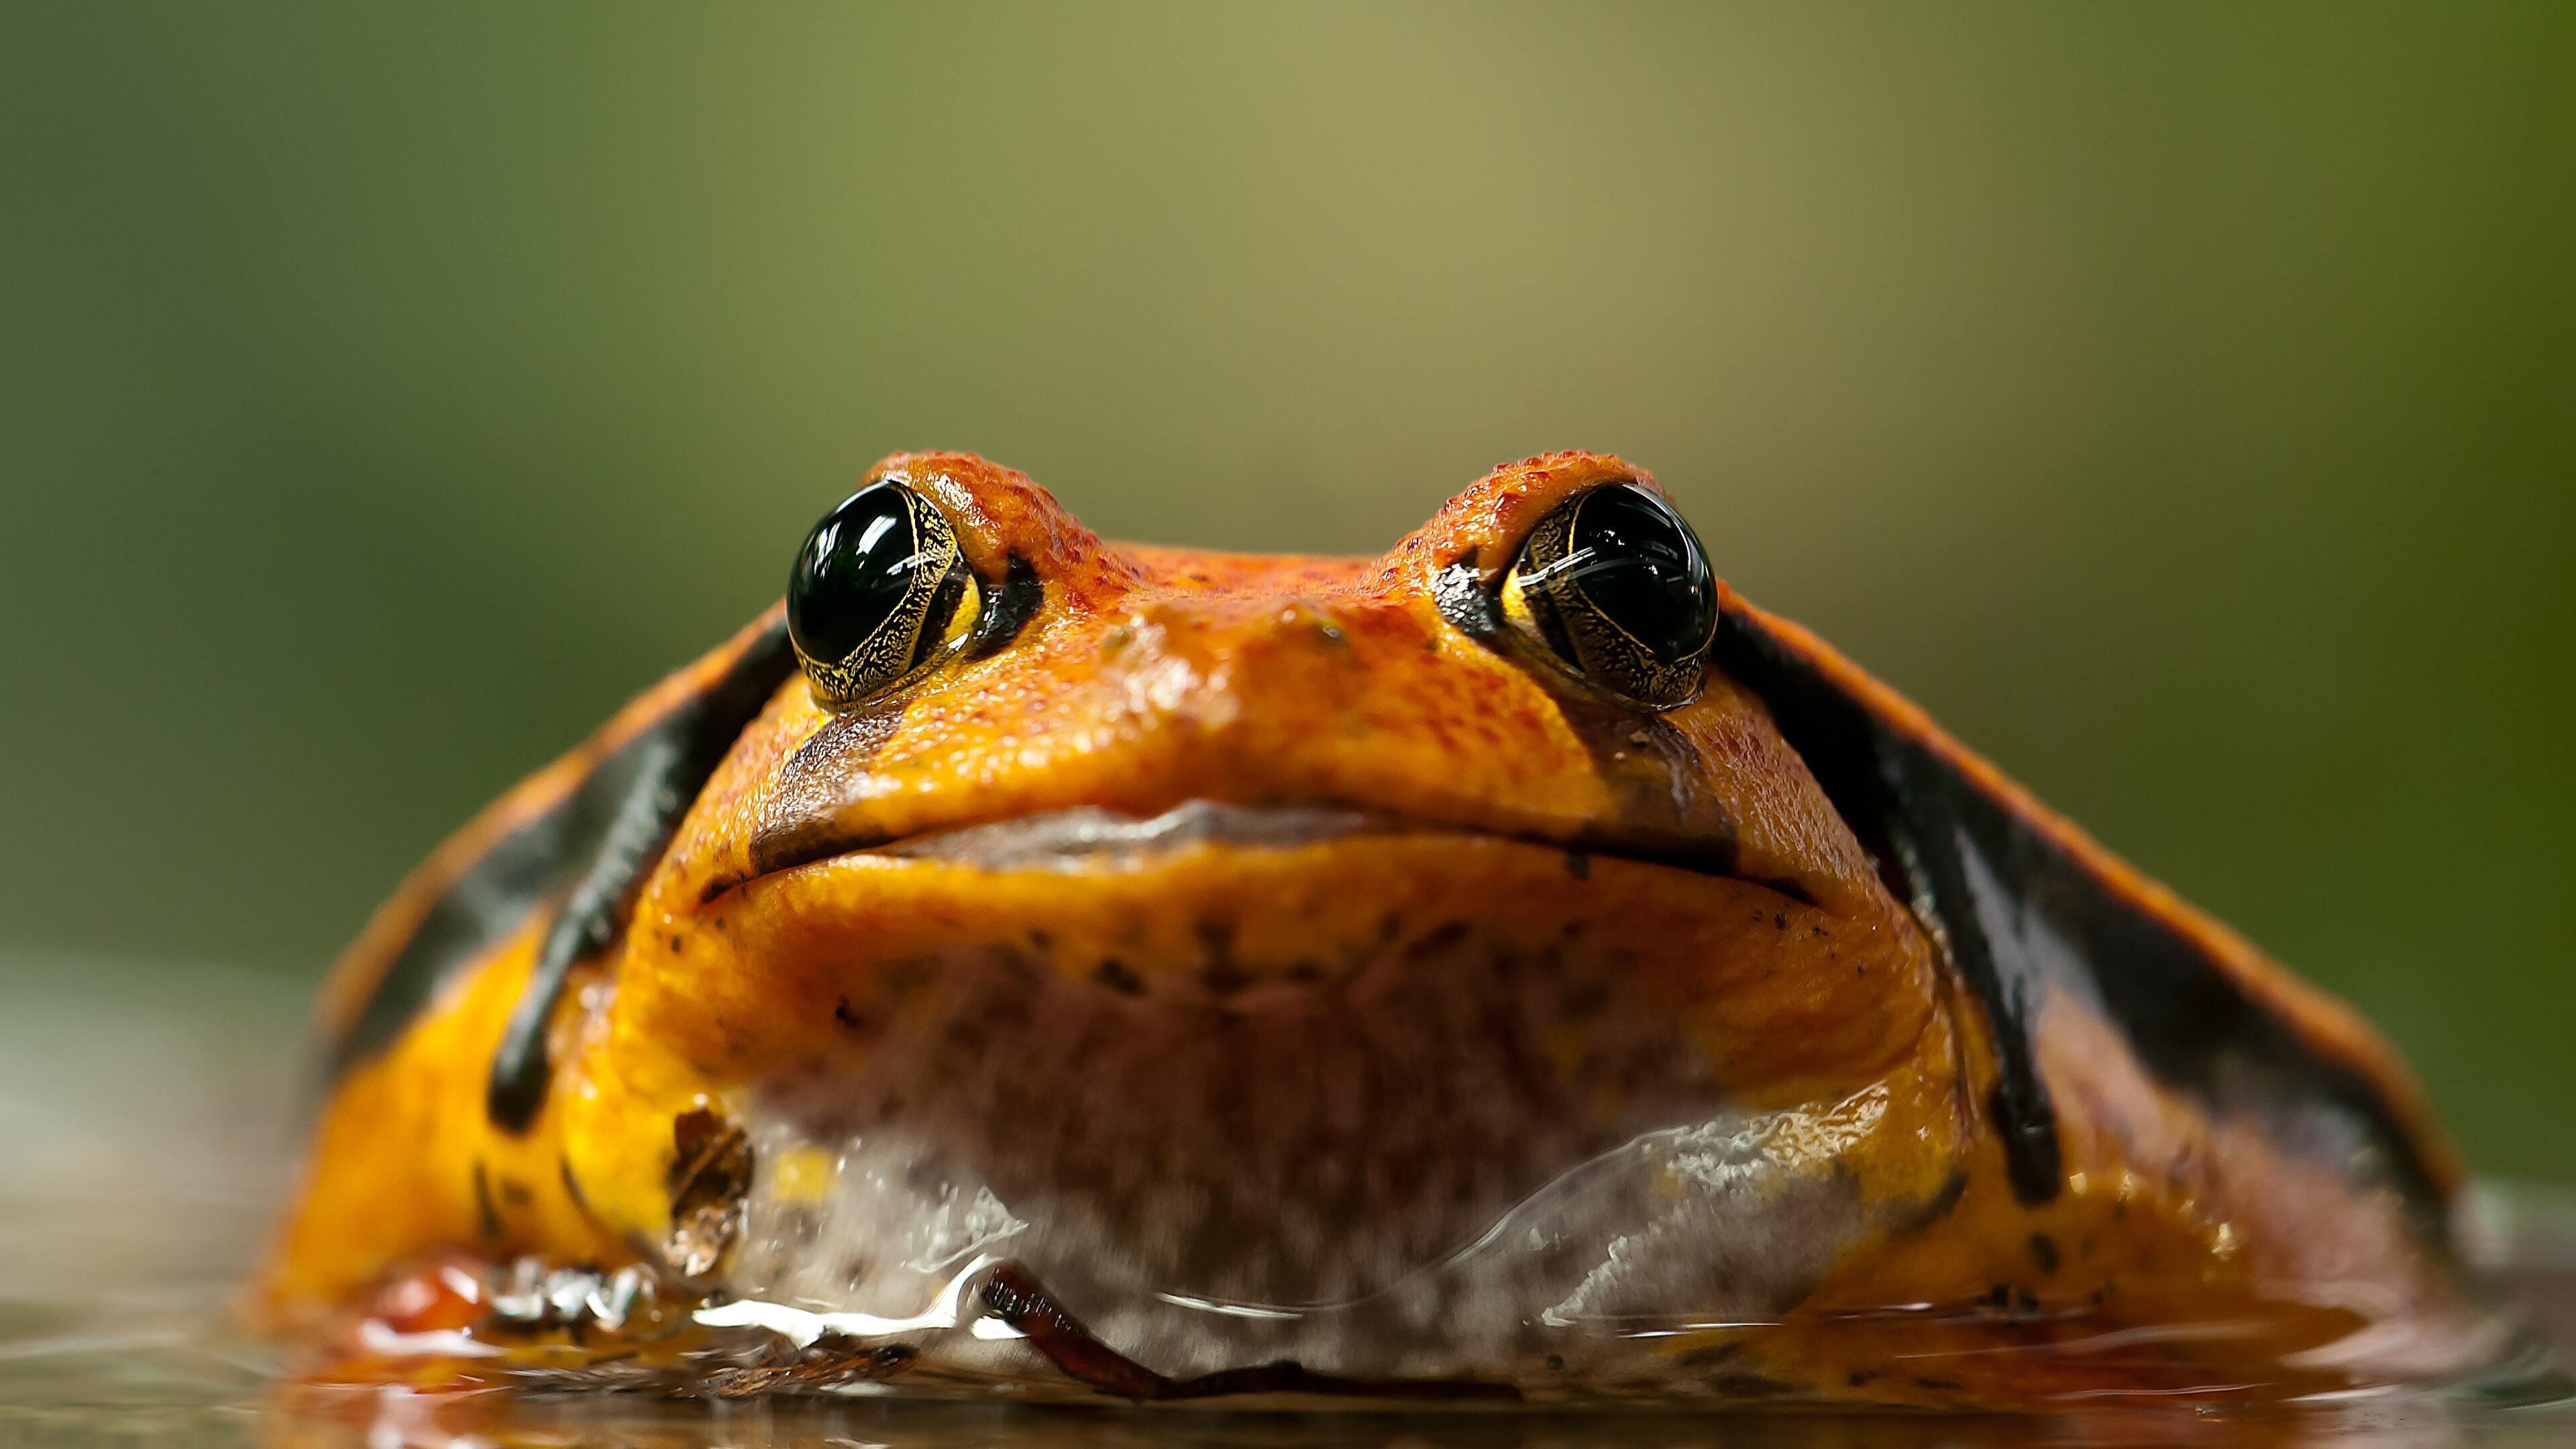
(1264,931)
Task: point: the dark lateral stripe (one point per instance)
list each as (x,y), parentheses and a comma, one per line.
(667,765)
(486,902)
(2022,911)
(537,861)
(1891,798)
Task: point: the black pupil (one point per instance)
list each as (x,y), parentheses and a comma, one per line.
(1640,565)
(852,573)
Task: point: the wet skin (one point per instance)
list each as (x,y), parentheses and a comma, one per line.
(1430,914)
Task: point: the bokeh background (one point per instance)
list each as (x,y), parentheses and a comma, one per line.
(2179,400)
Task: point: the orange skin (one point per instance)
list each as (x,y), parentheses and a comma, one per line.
(1152,677)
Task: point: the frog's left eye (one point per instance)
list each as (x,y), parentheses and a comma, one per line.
(1614,585)
(878,593)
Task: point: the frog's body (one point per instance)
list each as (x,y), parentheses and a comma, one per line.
(1275,967)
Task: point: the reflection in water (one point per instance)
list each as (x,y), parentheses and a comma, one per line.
(143,1117)
(958,1426)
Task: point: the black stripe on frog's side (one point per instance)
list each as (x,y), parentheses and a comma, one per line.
(488,900)
(670,762)
(1887,791)
(546,856)
(2021,913)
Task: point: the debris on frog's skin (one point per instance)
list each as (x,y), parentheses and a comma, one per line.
(710,1173)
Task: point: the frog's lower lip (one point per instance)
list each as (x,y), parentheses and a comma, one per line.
(1088,838)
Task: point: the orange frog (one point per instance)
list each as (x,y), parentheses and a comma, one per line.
(1510,968)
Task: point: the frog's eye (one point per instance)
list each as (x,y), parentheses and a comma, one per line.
(878,593)
(1614,585)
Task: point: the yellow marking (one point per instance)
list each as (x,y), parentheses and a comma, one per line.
(801,1174)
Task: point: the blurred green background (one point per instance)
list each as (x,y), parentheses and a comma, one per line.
(2179,400)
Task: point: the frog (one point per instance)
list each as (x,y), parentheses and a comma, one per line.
(1513,967)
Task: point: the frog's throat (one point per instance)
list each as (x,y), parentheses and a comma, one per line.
(1239,1084)
(1700,1230)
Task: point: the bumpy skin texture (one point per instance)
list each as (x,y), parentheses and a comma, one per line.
(1627,916)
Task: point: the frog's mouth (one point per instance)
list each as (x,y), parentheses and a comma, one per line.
(1241,1085)
(1088,837)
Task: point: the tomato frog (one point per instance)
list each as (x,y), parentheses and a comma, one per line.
(1511,968)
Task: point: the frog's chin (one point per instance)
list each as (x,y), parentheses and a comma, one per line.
(1241,1086)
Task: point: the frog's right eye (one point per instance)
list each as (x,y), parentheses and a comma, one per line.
(879,592)
(1614,586)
